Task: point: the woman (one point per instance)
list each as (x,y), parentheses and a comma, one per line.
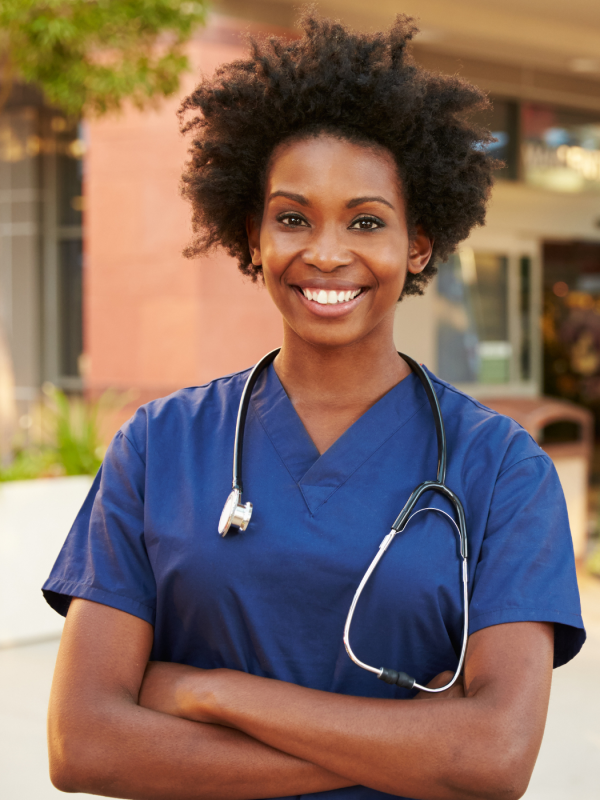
(337,171)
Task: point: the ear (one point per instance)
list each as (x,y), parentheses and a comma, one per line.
(419,251)
(253,234)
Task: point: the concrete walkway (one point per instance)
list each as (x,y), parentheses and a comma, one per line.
(568,767)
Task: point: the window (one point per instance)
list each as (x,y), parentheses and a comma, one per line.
(571,322)
(70,307)
(484,318)
(63,251)
(525,319)
(40,245)
(20,212)
(560,148)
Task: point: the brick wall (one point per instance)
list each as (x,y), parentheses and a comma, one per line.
(153,320)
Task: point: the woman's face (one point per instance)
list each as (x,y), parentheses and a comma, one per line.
(333,241)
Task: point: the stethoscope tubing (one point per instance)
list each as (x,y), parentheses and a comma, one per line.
(372,566)
(240,424)
(239,516)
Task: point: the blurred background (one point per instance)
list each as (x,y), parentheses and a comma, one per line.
(99,311)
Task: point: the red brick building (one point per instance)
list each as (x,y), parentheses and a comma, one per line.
(154,320)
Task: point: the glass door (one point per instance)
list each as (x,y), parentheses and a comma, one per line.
(486,320)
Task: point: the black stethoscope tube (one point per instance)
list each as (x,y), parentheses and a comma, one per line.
(243,413)
(437,414)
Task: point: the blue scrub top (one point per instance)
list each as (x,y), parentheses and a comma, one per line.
(273,600)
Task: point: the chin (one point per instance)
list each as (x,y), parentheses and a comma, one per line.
(330,336)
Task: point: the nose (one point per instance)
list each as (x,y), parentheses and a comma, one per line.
(326,251)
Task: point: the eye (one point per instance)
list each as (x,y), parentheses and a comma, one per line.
(367,223)
(292,220)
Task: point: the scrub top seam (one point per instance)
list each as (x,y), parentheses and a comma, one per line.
(478,404)
(541,455)
(133,447)
(367,458)
(472,400)
(521,461)
(232,408)
(68,586)
(266,432)
(541,610)
(193,387)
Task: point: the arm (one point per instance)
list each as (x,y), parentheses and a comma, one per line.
(102,742)
(483,745)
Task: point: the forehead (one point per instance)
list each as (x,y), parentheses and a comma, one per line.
(327,163)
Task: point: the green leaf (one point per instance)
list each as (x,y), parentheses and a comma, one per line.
(90,56)
(69,438)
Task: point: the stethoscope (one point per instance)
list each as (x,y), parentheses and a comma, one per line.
(237,515)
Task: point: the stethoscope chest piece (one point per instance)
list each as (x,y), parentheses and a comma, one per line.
(234,513)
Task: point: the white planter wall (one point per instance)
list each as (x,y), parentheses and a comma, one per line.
(35,518)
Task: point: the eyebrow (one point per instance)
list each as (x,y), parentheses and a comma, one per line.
(298,198)
(356,201)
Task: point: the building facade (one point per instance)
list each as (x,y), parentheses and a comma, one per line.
(516,311)
(41,167)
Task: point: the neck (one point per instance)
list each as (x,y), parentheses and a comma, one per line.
(353,376)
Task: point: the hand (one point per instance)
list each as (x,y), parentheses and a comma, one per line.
(167,687)
(457,690)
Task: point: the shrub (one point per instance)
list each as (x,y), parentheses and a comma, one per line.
(66,438)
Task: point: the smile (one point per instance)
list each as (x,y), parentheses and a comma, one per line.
(330,303)
(331,297)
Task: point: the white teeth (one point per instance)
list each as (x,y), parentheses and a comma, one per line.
(330,298)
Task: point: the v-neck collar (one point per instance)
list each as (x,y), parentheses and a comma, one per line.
(319,476)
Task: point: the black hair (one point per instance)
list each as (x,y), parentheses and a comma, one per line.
(363,87)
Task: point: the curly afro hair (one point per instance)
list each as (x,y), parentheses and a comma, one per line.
(362,87)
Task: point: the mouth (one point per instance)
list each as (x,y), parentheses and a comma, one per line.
(330,302)
(330,298)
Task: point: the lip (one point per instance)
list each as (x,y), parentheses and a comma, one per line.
(334,284)
(333,311)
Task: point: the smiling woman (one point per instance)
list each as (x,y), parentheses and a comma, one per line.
(196,666)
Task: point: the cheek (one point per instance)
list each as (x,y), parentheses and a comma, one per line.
(272,270)
(388,260)
(276,253)
(391,275)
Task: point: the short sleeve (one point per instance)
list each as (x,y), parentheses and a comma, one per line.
(526,570)
(104,557)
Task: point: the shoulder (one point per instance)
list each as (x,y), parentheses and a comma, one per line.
(191,409)
(477,429)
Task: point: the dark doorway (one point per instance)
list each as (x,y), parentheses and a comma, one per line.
(571,323)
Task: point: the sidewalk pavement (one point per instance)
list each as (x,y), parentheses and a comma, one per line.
(568,766)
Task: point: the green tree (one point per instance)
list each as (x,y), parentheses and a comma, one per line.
(88,56)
